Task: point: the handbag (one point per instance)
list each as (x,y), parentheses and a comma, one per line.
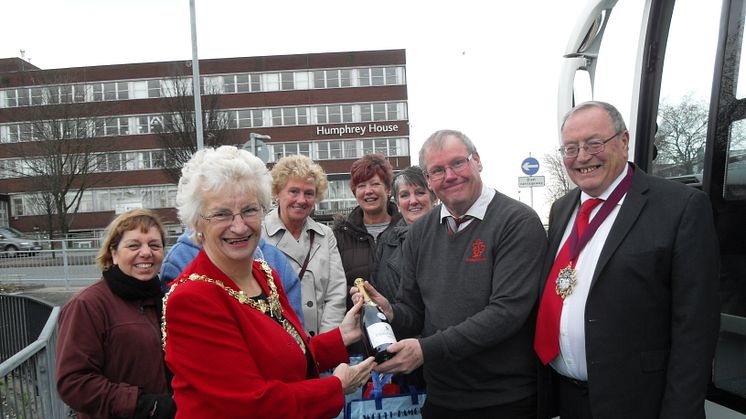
(386,407)
(405,405)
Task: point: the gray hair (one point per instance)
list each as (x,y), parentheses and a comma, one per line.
(437,139)
(412,175)
(616,117)
(212,169)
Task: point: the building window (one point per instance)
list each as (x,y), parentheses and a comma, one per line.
(161,196)
(345,78)
(256,83)
(347,115)
(37,96)
(276,117)
(154,88)
(390,76)
(79,93)
(257,118)
(229,84)
(288,117)
(13,133)
(377,76)
(321,115)
(66,94)
(363,77)
(11,98)
(302,116)
(302,80)
(319,80)
(243,84)
(379,111)
(286,81)
(101,201)
(335,114)
(332,78)
(271,82)
(109,91)
(17,208)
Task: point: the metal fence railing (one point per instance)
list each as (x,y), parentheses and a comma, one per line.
(60,263)
(50,267)
(28,333)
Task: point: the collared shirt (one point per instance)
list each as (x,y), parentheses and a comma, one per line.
(572,362)
(477,210)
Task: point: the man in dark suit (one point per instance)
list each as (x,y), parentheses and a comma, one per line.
(629,313)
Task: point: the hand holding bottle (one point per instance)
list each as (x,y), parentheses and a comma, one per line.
(350,326)
(383,304)
(407,356)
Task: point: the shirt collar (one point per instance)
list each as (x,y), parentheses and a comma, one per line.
(477,210)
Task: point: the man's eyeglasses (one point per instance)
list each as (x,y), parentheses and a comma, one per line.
(591,147)
(439,172)
(226,217)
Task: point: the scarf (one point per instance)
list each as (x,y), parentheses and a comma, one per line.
(130,288)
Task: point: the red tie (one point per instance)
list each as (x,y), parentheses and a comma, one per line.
(546,339)
(454,223)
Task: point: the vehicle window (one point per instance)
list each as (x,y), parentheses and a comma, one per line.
(686,86)
(614,81)
(734,182)
(735,169)
(11,232)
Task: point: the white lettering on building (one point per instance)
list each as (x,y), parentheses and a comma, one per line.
(359,130)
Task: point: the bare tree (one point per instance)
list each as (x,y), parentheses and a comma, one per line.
(60,162)
(682,132)
(177,131)
(559,183)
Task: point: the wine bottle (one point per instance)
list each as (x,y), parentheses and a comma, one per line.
(378,334)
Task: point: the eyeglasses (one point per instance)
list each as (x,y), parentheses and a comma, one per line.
(226,217)
(437,173)
(591,147)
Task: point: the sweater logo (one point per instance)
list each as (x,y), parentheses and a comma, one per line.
(477,250)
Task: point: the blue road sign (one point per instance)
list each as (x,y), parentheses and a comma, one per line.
(530,166)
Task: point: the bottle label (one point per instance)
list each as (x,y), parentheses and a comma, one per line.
(380,334)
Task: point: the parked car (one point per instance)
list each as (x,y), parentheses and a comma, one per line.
(13,243)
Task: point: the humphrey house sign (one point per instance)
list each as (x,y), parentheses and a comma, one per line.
(359,129)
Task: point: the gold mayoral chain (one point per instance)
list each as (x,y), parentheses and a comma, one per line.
(565,281)
(271,306)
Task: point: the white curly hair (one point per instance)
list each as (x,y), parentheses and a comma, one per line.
(214,169)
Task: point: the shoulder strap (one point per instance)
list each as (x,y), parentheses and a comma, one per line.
(308,256)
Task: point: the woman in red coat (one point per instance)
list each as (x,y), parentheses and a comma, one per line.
(235,347)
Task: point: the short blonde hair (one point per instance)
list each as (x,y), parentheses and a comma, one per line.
(141,218)
(297,166)
(212,169)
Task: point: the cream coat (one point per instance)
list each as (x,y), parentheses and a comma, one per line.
(323,286)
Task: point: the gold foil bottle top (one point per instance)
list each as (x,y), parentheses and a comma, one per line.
(359,284)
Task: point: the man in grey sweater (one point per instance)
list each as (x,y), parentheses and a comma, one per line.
(470,281)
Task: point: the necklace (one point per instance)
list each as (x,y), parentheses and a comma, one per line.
(271,306)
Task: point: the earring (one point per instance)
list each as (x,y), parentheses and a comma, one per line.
(200,235)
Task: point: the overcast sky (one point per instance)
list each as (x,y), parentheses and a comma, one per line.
(489,69)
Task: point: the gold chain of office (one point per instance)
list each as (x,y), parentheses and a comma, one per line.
(271,306)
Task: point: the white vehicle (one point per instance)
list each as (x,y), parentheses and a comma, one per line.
(673,70)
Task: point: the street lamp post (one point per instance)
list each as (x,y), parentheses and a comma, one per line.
(196,90)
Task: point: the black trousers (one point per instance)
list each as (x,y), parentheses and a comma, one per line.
(521,409)
(573,398)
